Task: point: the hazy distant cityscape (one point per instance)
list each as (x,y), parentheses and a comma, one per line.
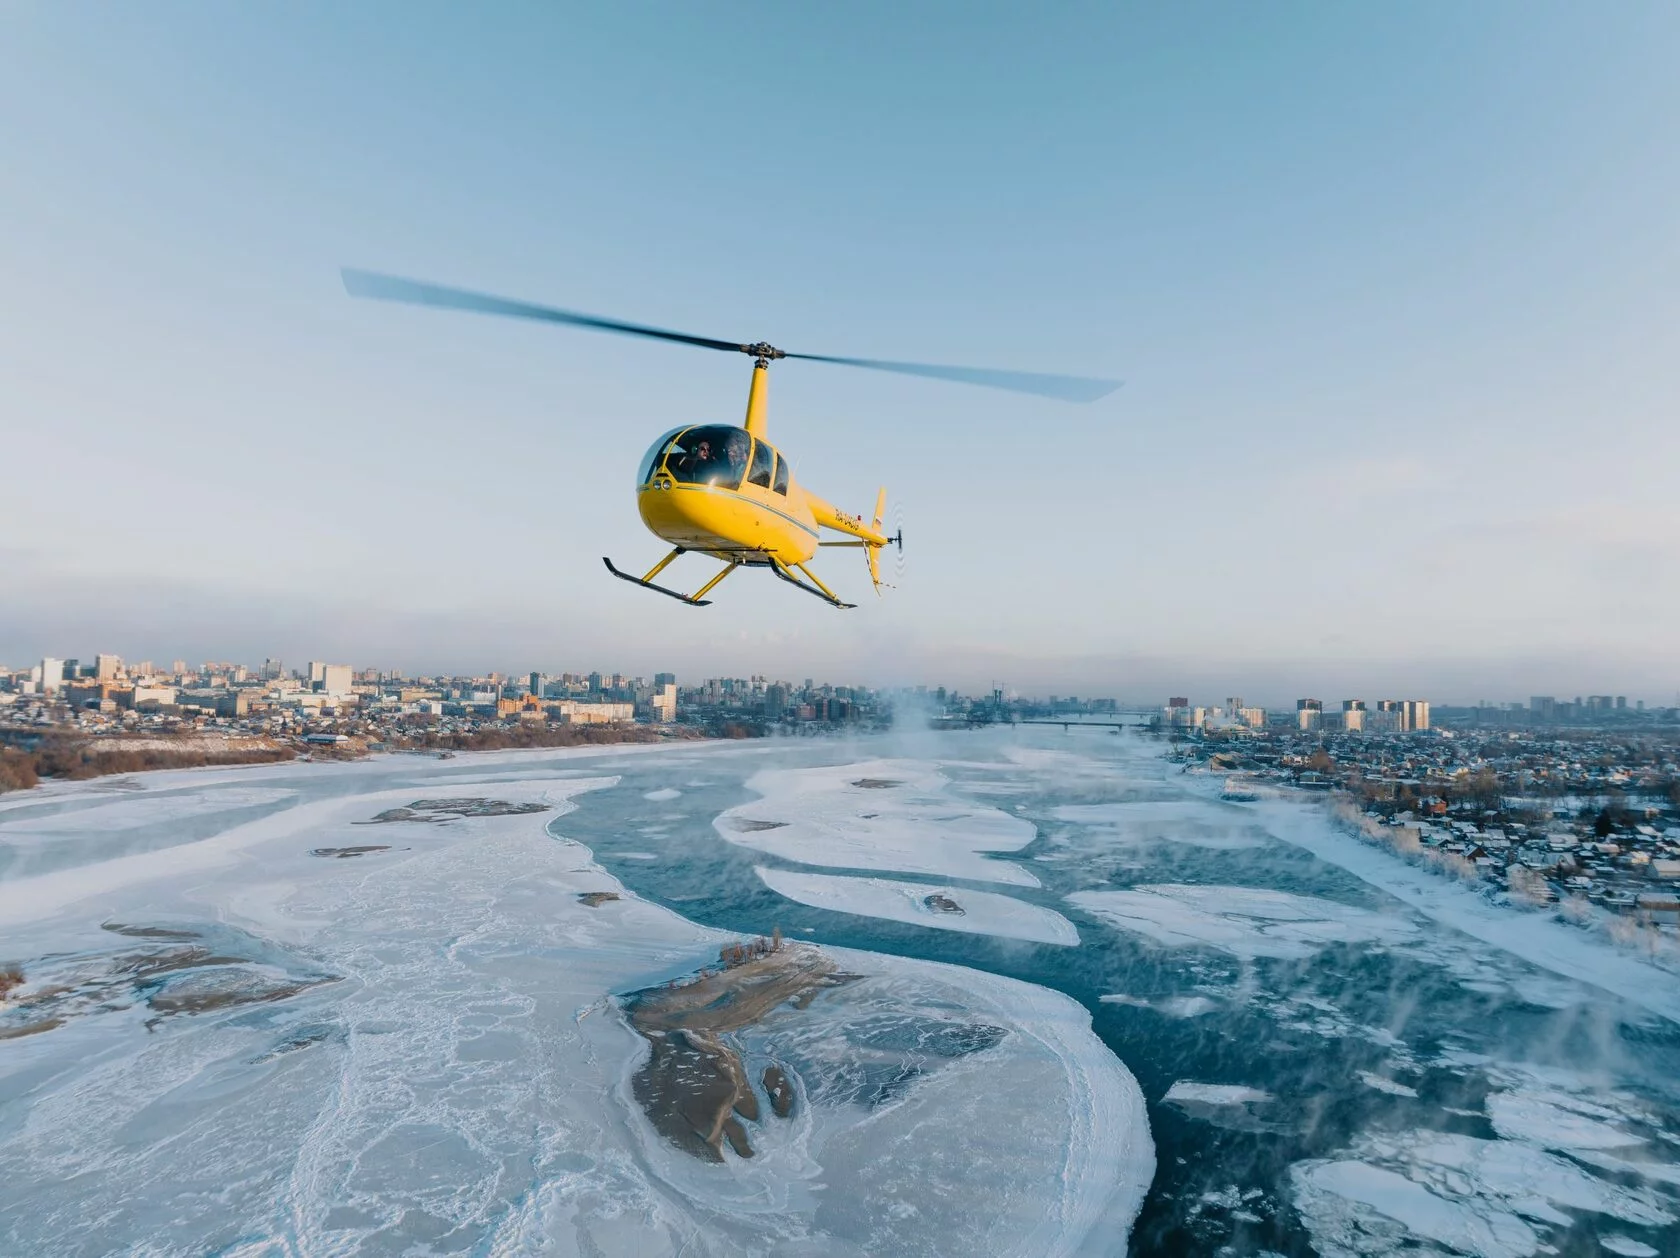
(1550,800)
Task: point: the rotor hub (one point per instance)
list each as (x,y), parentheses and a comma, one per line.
(763,351)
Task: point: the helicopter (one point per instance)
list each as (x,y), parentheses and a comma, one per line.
(724,491)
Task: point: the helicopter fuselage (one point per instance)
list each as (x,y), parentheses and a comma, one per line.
(720,491)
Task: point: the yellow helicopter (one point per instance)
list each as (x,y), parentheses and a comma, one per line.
(724,491)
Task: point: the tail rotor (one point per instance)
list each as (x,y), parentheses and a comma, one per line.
(873,549)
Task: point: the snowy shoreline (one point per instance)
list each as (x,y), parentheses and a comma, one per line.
(1543,941)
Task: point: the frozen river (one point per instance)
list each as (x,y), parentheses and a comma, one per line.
(1088,1007)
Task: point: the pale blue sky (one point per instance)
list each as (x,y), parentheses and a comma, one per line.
(1393,289)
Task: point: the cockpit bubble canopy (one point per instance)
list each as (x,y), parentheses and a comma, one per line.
(712,454)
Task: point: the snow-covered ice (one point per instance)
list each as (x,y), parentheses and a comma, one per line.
(898,815)
(982,912)
(1243,921)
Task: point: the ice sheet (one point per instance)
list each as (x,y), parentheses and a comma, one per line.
(1244,921)
(898,815)
(982,912)
(457,1085)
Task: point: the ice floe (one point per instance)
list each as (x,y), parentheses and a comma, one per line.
(1243,921)
(924,904)
(1491,1198)
(880,815)
(1215,1093)
(663,794)
(1627,1247)
(1384,1084)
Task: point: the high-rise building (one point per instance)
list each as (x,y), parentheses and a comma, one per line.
(1309,714)
(52,675)
(317,674)
(106,667)
(665,703)
(1414,715)
(664,679)
(538,681)
(1177,701)
(1353,715)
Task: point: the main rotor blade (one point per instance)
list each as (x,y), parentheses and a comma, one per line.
(1067,388)
(415,293)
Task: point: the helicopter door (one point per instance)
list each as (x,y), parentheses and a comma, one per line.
(781,474)
(763,461)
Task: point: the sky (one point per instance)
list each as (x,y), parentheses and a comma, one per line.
(1394,291)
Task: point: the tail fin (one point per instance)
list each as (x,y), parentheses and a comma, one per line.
(874,552)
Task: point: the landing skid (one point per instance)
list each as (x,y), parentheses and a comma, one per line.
(792,580)
(657,589)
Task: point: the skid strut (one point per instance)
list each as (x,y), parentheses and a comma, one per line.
(697,599)
(816,587)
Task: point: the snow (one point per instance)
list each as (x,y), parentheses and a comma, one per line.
(461,1085)
(663,794)
(984,912)
(1215,1093)
(1244,921)
(1532,937)
(898,815)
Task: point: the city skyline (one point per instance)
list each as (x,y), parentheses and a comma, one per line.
(109,665)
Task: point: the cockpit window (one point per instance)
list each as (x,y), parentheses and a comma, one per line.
(764,459)
(714,455)
(656,452)
(781,475)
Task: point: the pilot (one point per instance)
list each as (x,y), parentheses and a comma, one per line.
(692,461)
(737,455)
